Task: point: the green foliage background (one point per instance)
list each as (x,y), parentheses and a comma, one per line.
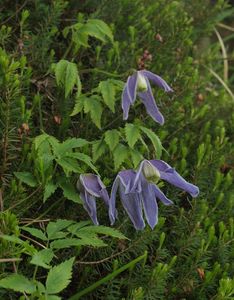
(60,90)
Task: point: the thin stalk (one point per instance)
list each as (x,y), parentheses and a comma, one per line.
(35,273)
(224,53)
(95,70)
(108,277)
(221,81)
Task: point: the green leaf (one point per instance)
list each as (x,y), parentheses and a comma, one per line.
(107,89)
(98,149)
(84,158)
(43,258)
(103,27)
(70,192)
(72,143)
(40,139)
(59,277)
(69,165)
(67,75)
(54,227)
(112,138)
(103,230)
(136,157)
(79,105)
(93,106)
(154,139)
(55,144)
(80,38)
(120,154)
(132,134)
(119,84)
(71,78)
(50,188)
(35,232)
(90,239)
(60,70)
(97,29)
(40,287)
(18,283)
(27,178)
(28,248)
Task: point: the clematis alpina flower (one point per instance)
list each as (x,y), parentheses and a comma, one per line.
(138,84)
(90,187)
(159,169)
(135,198)
(139,191)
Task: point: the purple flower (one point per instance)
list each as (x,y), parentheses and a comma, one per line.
(90,187)
(139,192)
(139,84)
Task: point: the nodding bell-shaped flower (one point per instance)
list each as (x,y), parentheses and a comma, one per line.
(138,84)
(91,187)
(139,192)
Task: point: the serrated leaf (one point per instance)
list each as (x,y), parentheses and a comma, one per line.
(43,258)
(90,239)
(35,232)
(79,105)
(136,157)
(98,149)
(93,106)
(107,89)
(70,144)
(70,192)
(74,227)
(103,27)
(120,154)
(103,230)
(112,138)
(18,283)
(119,84)
(59,277)
(49,189)
(132,134)
(55,144)
(40,139)
(154,140)
(80,38)
(46,160)
(71,78)
(69,165)
(27,178)
(54,227)
(84,158)
(92,30)
(67,75)
(28,248)
(60,70)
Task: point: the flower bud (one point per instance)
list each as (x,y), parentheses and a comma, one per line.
(150,172)
(141,83)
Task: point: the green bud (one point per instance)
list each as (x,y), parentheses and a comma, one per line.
(141,83)
(150,172)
